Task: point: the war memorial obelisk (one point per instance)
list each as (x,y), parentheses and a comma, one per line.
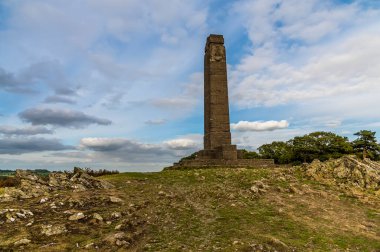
(218,150)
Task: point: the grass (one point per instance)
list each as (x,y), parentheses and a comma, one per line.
(214,209)
(210,218)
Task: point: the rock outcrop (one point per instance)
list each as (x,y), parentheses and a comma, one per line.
(348,170)
(32,186)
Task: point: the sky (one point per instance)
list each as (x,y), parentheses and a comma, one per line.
(118,84)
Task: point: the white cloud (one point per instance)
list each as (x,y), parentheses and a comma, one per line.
(25,131)
(181,144)
(155,122)
(259,125)
(125,150)
(311,55)
(344,68)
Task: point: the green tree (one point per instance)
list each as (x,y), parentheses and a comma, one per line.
(330,145)
(305,148)
(366,144)
(250,154)
(320,145)
(281,152)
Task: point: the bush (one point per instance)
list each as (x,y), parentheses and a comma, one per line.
(95,173)
(191,157)
(9,181)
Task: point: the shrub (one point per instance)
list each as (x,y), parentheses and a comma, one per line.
(9,181)
(95,173)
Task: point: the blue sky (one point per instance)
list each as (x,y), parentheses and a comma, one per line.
(118,84)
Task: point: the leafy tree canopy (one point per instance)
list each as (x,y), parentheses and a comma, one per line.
(366,143)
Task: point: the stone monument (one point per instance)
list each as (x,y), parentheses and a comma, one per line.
(218,150)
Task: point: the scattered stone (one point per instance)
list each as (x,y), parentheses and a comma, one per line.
(90,245)
(114,199)
(278,244)
(161,193)
(11,215)
(77,216)
(116,215)
(282,178)
(21,215)
(53,206)
(260,184)
(97,216)
(254,189)
(293,189)
(235,243)
(116,239)
(121,242)
(43,200)
(50,230)
(22,242)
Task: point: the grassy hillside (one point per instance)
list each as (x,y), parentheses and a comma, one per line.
(206,210)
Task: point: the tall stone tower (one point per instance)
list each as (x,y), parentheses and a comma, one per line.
(217,137)
(218,150)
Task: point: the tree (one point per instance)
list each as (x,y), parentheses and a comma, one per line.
(281,152)
(320,145)
(366,143)
(305,148)
(331,145)
(250,154)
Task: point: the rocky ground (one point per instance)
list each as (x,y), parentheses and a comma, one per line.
(331,206)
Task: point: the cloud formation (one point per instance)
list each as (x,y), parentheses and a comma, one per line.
(119,144)
(259,125)
(48,74)
(16,146)
(181,144)
(59,99)
(32,130)
(60,118)
(155,122)
(316,64)
(122,149)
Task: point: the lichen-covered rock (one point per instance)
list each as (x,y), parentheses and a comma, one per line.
(22,242)
(50,230)
(77,216)
(348,170)
(10,215)
(114,199)
(32,186)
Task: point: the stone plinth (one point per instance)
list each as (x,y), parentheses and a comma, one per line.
(220,163)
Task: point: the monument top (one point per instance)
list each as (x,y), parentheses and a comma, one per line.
(214,39)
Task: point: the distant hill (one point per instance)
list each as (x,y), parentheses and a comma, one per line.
(282,209)
(6,173)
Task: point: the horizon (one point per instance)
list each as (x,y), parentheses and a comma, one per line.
(119,84)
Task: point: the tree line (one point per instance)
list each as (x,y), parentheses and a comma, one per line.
(318,145)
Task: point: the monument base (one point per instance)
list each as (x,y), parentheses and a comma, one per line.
(226,156)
